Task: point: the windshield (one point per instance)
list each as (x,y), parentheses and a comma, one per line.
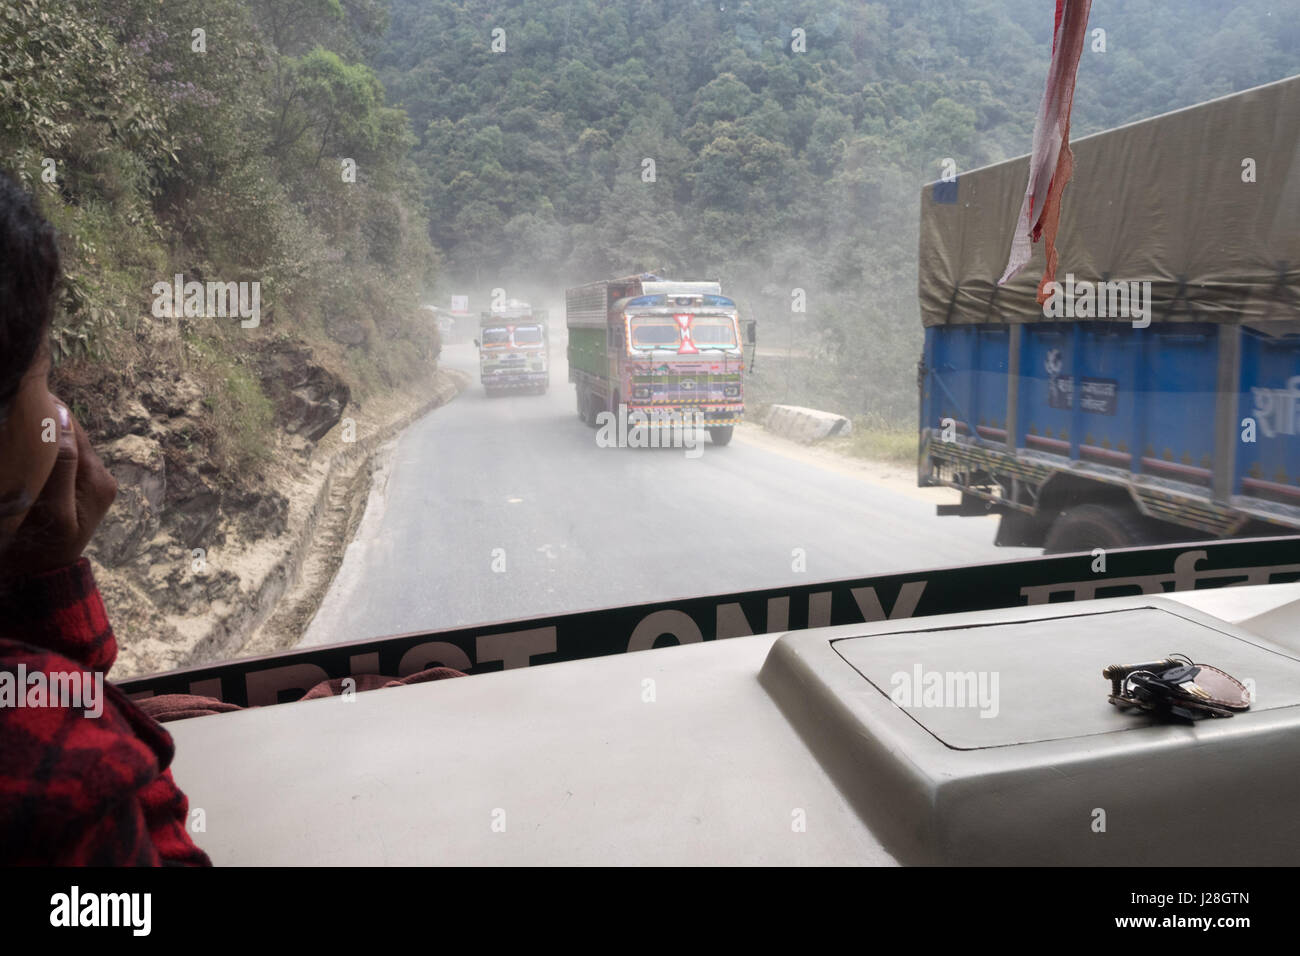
(710,330)
(833,191)
(655,332)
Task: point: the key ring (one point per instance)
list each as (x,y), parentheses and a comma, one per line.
(1176,686)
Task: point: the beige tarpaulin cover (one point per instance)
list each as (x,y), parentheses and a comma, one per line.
(1162,200)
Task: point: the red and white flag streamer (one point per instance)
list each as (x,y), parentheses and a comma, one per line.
(1051,163)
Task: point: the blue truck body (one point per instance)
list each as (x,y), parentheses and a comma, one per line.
(1186,420)
(1145,422)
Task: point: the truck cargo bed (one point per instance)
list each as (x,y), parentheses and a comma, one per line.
(1163,408)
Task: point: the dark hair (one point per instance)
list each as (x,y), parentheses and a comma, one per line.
(29,270)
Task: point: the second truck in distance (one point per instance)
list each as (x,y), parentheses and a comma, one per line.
(514,349)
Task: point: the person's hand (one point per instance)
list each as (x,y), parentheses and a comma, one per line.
(68,510)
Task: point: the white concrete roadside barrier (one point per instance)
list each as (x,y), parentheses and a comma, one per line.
(805,425)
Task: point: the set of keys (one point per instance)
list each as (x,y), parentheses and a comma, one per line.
(1176,686)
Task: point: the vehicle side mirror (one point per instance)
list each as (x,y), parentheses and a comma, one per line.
(751,331)
(476,345)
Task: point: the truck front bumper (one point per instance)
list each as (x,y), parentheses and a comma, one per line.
(514,378)
(710,415)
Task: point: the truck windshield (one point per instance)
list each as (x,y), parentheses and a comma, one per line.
(654,332)
(714,330)
(528,335)
(496,336)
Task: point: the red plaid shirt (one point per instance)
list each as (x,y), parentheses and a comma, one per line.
(77,789)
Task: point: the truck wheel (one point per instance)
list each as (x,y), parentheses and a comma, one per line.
(721,434)
(1096,526)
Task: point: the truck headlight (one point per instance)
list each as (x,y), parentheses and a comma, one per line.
(731,391)
(641,391)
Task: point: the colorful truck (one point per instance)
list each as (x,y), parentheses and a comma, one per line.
(664,348)
(1155,394)
(514,349)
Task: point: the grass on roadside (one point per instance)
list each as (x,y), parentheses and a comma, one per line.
(878,442)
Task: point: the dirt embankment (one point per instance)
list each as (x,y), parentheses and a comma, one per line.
(196,565)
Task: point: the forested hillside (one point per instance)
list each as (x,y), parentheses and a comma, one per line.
(775,144)
(207,138)
(239,145)
(782,160)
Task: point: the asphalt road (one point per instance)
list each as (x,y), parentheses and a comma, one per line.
(502,508)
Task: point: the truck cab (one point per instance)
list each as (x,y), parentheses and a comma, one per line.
(668,351)
(514,349)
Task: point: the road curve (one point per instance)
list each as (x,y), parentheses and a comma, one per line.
(502,508)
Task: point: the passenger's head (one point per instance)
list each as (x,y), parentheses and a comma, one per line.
(29,270)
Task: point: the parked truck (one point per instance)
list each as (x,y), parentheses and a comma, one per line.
(514,349)
(1155,395)
(664,348)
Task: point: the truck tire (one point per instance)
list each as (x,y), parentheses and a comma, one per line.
(1090,526)
(721,434)
(586,407)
